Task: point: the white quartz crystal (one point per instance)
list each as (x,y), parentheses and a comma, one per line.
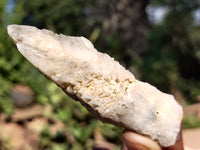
(100,83)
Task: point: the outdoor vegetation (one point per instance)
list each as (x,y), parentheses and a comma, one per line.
(167,55)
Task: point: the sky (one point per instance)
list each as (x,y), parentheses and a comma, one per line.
(157,13)
(10,5)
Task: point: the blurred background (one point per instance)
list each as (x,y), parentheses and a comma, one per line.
(157,40)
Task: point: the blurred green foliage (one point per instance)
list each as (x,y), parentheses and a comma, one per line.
(173,60)
(66,17)
(191,122)
(12,63)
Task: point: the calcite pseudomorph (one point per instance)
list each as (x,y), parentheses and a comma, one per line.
(100,83)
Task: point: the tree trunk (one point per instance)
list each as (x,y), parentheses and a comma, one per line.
(128,20)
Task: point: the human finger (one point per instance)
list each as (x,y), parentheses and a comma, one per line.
(134,141)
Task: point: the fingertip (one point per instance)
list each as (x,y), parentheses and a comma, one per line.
(135,141)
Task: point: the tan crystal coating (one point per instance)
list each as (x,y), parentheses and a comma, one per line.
(100,83)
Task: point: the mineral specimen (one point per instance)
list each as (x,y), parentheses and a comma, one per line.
(100,83)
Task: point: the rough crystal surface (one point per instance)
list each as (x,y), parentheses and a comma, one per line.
(100,83)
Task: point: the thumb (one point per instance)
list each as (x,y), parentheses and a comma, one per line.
(133,141)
